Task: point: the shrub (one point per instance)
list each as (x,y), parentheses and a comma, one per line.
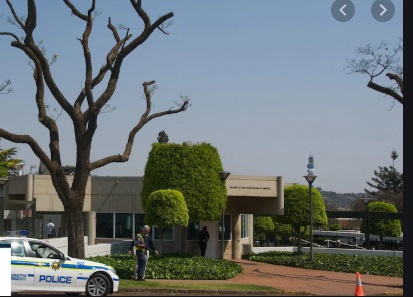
(175,266)
(374,265)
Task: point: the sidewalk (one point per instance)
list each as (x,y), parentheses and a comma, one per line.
(312,282)
(316,282)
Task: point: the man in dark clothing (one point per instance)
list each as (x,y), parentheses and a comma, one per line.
(203,240)
(149,242)
(138,243)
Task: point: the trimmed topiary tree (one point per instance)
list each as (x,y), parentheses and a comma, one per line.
(191,169)
(166,209)
(383,227)
(297,210)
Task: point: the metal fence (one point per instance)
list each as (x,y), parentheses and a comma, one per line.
(347,233)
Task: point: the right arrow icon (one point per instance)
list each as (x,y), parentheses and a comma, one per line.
(382,10)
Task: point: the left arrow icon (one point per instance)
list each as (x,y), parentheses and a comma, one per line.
(342,9)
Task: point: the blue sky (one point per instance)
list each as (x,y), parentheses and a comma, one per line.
(267,82)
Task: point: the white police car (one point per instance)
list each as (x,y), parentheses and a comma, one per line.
(36,265)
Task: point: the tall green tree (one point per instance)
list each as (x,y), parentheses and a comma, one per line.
(166,209)
(262,227)
(383,227)
(282,232)
(387,179)
(394,156)
(163,137)
(101,77)
(297,210)
(191,169)
(389,185)
(378,60)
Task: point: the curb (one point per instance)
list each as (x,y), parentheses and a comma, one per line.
(191,292)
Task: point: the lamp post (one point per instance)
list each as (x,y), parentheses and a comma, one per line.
(366,220)
(223,175)
(3,182)
(310,177)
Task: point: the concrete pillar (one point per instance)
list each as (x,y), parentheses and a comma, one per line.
(236,236)
(91,227)
(280,196)
(29,187)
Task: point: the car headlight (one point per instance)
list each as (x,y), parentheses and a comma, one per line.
(113,270)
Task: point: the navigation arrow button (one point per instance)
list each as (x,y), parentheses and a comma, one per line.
(383,10)
(343,10)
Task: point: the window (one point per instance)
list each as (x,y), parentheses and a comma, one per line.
(244,226)
(17,248)
(44,251)
(124,225)
(139,222)
(227,228)
(193,230)
(104,225)
(168,234)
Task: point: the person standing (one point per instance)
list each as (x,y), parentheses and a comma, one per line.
(149,243)
(203,240)
(140,251)
(50,229)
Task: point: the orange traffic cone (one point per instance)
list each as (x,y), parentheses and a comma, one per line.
(359,289)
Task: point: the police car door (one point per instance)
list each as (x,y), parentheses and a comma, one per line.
(22,268)
(51,269)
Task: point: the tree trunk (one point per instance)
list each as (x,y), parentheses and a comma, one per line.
(75,232)
(299,243)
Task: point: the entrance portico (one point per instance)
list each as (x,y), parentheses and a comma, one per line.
(256,195)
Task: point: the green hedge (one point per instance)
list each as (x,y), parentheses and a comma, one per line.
(373,265)
(175,266)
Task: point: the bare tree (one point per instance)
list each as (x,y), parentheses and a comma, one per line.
(376,60)
(5,87)
(85,109)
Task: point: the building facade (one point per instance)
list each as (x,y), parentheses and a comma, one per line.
(113,211)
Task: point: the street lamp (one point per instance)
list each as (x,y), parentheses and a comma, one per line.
(3,182)
(366,220)
(310,177)
(223,175)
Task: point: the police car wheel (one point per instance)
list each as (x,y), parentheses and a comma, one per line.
(98,285)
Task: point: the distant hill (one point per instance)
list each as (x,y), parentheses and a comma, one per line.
(334,201)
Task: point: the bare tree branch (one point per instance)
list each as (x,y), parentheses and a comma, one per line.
(84,123)
(138,8)
(374,61)
(107,94)
(398,80)
(10,34)
(6,87)
(14,14)
(75,11)
(145,118)
(385,90)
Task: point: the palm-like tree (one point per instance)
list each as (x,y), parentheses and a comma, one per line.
(7,163)
(394,156)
